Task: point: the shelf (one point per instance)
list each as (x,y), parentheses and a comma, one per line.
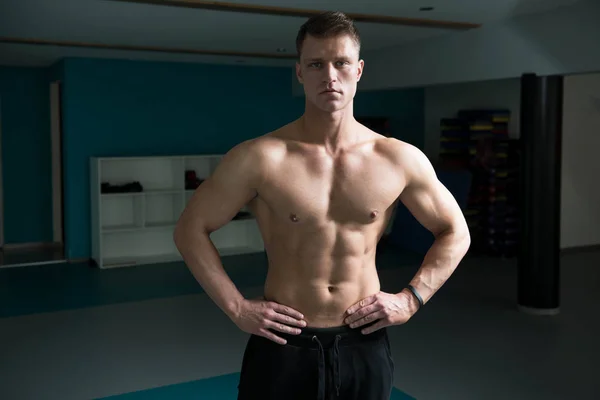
(133,228)
(238,234)
(121,228)
(136,227)
(163,208)
(122,212)
(158,225)
(152,173)
(203,166)
(163,191)
(145,192)
(124,194)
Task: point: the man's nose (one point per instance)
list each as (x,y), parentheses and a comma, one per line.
(329,73)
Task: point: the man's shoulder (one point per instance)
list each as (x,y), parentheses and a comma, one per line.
(257,147)
(410,161)
(397,151)
(259,153)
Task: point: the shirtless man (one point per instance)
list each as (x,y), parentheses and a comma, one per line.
(322,189)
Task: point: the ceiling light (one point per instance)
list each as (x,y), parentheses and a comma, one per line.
(281,50)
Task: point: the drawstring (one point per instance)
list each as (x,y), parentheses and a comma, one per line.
(321,380)
(336,368)
(336,371)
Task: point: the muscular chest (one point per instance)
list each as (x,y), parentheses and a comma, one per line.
(351,190)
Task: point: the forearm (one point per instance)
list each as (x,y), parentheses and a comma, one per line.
(441,260)
(204,262)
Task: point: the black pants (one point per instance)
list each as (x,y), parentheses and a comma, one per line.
(319,364)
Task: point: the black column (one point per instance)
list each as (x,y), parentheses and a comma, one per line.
(541,134)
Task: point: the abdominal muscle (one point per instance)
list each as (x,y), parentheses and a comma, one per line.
(321,275)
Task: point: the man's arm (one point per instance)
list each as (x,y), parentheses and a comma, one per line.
(232,185)
(437,210)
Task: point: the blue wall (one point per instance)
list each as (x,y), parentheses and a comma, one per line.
(135,108)
(26,155)
(130,108)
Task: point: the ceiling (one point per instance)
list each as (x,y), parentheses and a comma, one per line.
(128,29)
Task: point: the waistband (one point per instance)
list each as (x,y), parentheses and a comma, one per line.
(327,336)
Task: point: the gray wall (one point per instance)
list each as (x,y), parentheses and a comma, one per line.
(561,41)
(580,212)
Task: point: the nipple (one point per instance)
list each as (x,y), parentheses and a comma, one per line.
(293,217)
(374,214)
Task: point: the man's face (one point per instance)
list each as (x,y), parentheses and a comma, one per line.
(329,69)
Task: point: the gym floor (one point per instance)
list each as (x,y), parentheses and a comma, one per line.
(23,257)
(70,331)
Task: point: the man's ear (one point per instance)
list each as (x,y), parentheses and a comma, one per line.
(360,69)
(299,73)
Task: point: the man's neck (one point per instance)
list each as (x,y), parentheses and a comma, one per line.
(332,130)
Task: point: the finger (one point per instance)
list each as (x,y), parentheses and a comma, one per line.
(273,315)
(367,319)
(286,310)
(288,320)
(362,312)
(282,328)
(363,303)
(380,324)
(271,336)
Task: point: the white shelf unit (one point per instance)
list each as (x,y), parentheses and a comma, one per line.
(136,227)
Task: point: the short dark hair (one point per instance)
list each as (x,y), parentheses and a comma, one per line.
(325,25)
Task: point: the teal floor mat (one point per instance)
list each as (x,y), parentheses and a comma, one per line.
(222,387)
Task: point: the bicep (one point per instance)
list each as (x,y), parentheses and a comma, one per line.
(428,200)
(218,199)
